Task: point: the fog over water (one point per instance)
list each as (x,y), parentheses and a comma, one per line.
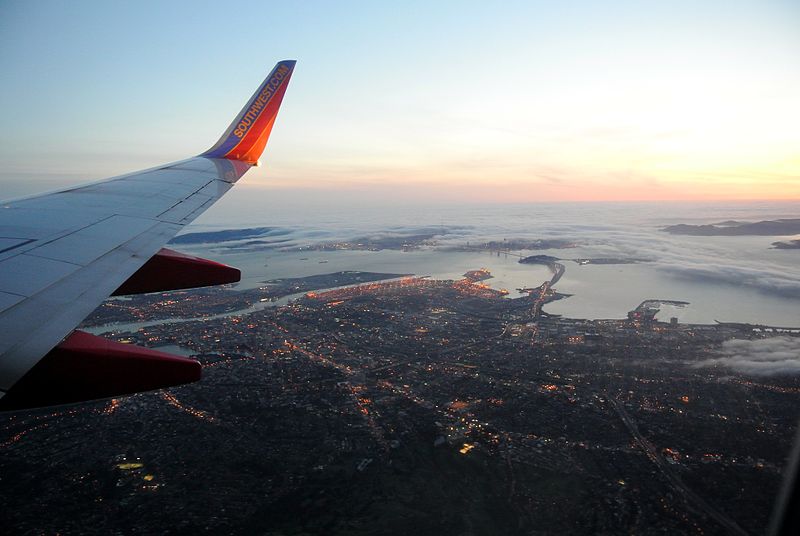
(734,279)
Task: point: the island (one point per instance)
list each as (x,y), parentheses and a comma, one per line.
(789,244)
(606,260)
(539,259)
(738,228)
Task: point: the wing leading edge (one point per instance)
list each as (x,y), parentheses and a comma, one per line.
(62,254)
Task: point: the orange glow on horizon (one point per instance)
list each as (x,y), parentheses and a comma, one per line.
(533,191)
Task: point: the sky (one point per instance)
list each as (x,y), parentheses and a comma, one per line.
(416,101)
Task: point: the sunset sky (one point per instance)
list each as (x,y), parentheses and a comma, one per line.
(465,101)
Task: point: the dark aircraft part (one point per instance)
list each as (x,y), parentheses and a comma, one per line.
(170,270)
(786,513)
(86,367)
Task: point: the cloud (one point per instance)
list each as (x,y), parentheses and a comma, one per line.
(761,357)
(768,280)
(740,264)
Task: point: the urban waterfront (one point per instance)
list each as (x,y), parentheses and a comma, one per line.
(409,403)
(725,278)
(410,381)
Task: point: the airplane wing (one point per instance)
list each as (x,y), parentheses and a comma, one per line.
(63,253)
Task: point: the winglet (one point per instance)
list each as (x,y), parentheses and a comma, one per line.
(247,136)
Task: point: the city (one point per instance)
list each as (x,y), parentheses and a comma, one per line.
(433,268)
(377,403)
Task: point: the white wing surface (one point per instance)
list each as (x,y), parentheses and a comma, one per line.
(62,254)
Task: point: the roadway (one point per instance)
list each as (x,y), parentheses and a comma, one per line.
(691,498)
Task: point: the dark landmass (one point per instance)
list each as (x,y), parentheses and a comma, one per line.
(190,303)
(539,259)
(412,406)
(389,239)
(653,301)
(293,285)
(551,262)
(607,260)
(403,239)
(733,228)
(227,235)
(789,244)
(204,302)
(403,242)
(648,309)
(516,244)
(258,245)
(478,275)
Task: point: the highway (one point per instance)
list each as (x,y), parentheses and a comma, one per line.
(691,498)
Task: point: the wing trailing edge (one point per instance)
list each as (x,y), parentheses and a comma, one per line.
(171,270)
(87,367)
(247,135)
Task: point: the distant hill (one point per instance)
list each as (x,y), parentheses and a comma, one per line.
(733,228)
(212,237)
(520,243)
(539,259)
(789,244)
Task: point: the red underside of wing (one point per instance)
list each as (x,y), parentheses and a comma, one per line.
(170,270)
(87,367)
